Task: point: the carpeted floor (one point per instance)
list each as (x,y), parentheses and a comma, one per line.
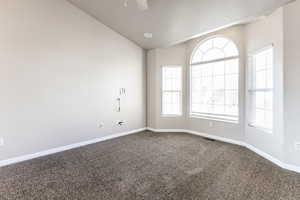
(151,166)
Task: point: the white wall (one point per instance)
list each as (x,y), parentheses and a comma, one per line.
(60,74)
(292,81)
(258,35)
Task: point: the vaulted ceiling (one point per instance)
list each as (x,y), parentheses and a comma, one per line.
(173,21)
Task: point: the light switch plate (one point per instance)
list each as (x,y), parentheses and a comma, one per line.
(101,125)
(297,146)
(1,142)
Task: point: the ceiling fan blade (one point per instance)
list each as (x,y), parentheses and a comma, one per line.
(142,4)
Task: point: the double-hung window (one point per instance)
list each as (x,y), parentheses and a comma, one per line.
(214,85)
(261,89)
(171,91)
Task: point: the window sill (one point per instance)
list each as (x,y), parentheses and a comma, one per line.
(171,116)
(260,128)
(231,120)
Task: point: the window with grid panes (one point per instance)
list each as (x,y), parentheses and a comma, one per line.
(171,90)
(261,89)
(214,83)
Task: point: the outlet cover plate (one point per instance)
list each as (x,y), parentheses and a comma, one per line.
(297,146)
(101,125)
(121,122)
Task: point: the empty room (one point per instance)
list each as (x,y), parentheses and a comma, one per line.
(150,100)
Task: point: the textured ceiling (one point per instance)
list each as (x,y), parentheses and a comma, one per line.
(173,21)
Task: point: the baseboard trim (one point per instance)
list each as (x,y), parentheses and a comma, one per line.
(222,139)
(65,148)
(274,160)
(235,142)
(109,137)
(167,130)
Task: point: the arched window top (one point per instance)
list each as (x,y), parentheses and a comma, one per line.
(214,49)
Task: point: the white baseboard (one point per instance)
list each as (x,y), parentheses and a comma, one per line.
(167,130)
(222,139)
(273,159)
(96,140)
(236,142)
(64,148)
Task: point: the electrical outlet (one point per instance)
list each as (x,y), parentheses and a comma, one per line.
(1,142)
(297,146)
(101,125)
(121,123)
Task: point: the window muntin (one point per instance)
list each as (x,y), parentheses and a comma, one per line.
(215,79)
(261,89)
(171,90)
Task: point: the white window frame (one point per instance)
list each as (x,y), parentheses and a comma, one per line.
(177,91)
(209,116)
(252,90)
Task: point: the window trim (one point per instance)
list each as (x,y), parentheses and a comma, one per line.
(214,118)
(215,60)
(179,91)
(209,116)
(251,91)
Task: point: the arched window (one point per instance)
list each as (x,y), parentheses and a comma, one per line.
(214,75)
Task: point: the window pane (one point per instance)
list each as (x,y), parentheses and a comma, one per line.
(262,80)
(269,78)
(206,46)
(260,100)
(231,50)
(218,97)
(269,118)
(213,54)
(171,102)
(195,107)
(197,57)
(260,116)
(270,58)
(231,110)
(196,84)
(231,98)
(260,62)
(206,83)
(216,94)
(171,90)
(220,42)
(269,101)
(197,71)
(167,84)
(219,109)
(216,48)
(219,68)
(232,66)
(218,82)
(171,78)
(207,69)
(196,97)
(231,82)
(214,85)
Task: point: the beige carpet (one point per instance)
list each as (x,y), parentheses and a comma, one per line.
(150,166)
